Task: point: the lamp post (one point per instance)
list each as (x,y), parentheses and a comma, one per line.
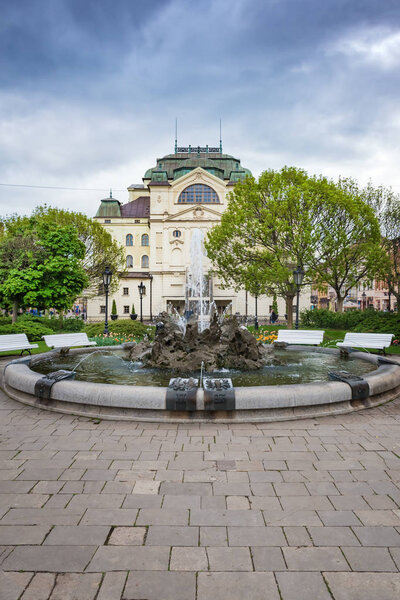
(256,319)
(141,289)
(151,298)
(364,300)
(298,276)
(107,275)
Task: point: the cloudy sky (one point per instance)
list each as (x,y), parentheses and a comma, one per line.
(89,90)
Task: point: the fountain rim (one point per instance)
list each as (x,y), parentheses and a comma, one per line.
(253,404)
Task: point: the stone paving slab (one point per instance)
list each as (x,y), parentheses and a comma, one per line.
(108,510)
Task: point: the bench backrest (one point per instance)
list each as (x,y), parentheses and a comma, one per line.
(369,340)
(59,340)
(300,336)
(17,340)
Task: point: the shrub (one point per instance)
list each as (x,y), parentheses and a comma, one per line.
(133,310)
(367,321)
(114,308)
(55,323)
(123,327)
(5,321)
(33,330)
(324,318)
(73,324)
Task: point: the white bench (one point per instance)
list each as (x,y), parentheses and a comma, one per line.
(377,341)
(300,336)
(61,340)
(16,341)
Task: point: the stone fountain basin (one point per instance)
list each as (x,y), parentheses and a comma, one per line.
(253,404)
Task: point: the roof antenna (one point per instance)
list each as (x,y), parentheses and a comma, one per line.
(176,135)
(220,136)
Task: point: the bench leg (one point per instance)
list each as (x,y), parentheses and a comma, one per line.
(25,350)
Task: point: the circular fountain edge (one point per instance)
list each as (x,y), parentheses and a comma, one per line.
(148,403)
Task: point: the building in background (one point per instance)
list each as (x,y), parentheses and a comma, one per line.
(373,294)
(185,191)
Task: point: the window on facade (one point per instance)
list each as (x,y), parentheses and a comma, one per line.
(137,220)
(126,291)
(129,240)
(126,310)
(129,261)
(199,193)
(103,309)
(145,239)
(145,262)
(177,233)
(107,220)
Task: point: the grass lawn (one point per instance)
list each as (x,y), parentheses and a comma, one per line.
(41,348)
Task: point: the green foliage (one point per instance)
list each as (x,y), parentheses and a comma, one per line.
(40,263)
(286,219)
(73,324)
(124,327)
(133,310)
(101,250)
(70,325)
(275,304)
(33,330)
(114,308)
(368,321)
(5,321)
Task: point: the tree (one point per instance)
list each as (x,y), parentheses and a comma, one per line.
(290,219)
(350,248)
(386,205)
(40,264)
(100,249)
(270,227)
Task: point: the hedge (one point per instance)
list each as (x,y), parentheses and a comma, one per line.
(125,327)
(34,331)
(60,325)
(367,321)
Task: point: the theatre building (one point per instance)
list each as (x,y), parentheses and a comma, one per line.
(185,191)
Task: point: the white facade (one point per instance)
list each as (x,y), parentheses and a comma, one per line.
(169,224)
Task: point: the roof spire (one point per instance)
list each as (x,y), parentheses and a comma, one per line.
(110,193)
(220,136)
(176,135)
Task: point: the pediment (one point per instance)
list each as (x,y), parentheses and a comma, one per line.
(198,175)
(195,212)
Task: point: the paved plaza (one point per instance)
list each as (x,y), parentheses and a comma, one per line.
(111,510)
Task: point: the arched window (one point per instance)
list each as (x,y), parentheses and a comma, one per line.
(145,239)
(129,240)
(177,233)
(129,261)
(145,261)
(199,193)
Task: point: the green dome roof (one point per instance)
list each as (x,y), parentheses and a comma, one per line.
(173,166)
(109,207)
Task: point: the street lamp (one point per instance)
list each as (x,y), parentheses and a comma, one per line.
(141,289)
(151,298)
(364,300)
(298,276)
(107,275)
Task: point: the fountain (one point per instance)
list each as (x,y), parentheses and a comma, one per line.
(202,366)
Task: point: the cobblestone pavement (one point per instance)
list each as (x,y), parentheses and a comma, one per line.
(107,510)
